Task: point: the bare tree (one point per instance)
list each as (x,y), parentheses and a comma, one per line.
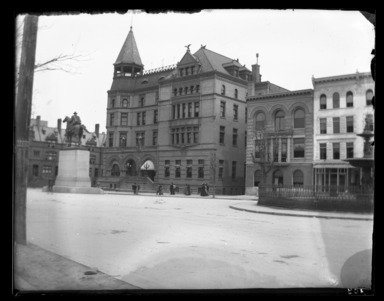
(265,151)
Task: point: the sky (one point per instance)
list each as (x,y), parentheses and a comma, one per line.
(293,46)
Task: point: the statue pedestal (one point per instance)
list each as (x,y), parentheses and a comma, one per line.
(73,175)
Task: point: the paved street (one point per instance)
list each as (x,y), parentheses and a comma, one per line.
(198,243)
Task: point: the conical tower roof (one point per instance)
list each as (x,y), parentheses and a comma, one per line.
(129,53)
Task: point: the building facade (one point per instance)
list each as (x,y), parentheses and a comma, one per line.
(284,119)
(45,145)
(181,124)
(341,105)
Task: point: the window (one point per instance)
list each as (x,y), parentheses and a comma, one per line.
(187,71)
(236,94)
(182,135)
(140,138)
(257,178)
(195,134)
(155,115)
(235,112)
(323,151)
(154,138)
(349,150)
(349,99)
(257,149)
(184,110)
(298,147)
(186,90)
(92,159)
(143,118)
(189,168)
(36,153)
(222,90)
(323,102)
(192,89)
(111,119)
(299,119)
(279,120)
(323,125)
(123,140)
(369,122)
(47,170)
(174,112)
(200,173)
(138,118)
(369,96)
(222,134)
(298,178)
(115,171)
(124,103)
(336,125)
(181,71)
(96,172)
(221,168)
(166,169)
(35,170)
(336,150)
(180,91)
(141,101)
(193,70)
(260,121)
(175,92)
(178,111)
(336,100)
(110,139)
(124,119)
(246,115)
(234,137)
(278,178)
(112,103)
(349,124)
(198,89)
(177,168)
(275,146)
(189,135)
(196,109)
(234,169)
(189,109)
(50,156)
(222,109)
(284,148)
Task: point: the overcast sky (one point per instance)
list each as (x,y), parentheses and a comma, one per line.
(292,46)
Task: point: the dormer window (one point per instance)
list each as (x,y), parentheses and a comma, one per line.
(222,90)
(236,93)
(112,103)
(192,70)
(145,81)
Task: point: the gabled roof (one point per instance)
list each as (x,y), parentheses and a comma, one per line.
(129,53)
(188,58)
(211,60)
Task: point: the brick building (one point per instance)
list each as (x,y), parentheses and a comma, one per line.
(168,124)
(341,104)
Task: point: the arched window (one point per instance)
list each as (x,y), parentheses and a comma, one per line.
(115,171)
(124,103)
(349,101)
(260,121)
(369,122)
(222,90)
(369,96)
(298,178)
(299,119)
(323,102)
(336,100)
(257,178)
(112,103)
(279,120)
(278,178)
(236,93)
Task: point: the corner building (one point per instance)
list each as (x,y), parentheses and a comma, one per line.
(184,124)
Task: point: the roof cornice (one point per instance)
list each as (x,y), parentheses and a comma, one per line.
(281,94)
(341,77)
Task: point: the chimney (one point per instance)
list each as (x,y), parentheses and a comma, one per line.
(97,127)
(256,71)
(38,121)
(59,126)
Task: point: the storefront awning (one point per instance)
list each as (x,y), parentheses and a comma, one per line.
(339,165)
(148,165)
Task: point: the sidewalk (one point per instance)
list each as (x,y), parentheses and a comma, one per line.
(37,269)
(254,208)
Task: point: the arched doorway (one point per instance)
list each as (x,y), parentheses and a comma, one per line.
(130,168)
(148,169)
(115,171)
(278,178)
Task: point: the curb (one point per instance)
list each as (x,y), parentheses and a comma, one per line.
(300,214)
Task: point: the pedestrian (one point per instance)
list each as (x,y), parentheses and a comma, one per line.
(50,188)
(138,189)
(159,190)
(202,190)
(207,188)
(187,190)
(172,189)
(134,188)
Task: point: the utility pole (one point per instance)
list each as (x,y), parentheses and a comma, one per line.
(21,125)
